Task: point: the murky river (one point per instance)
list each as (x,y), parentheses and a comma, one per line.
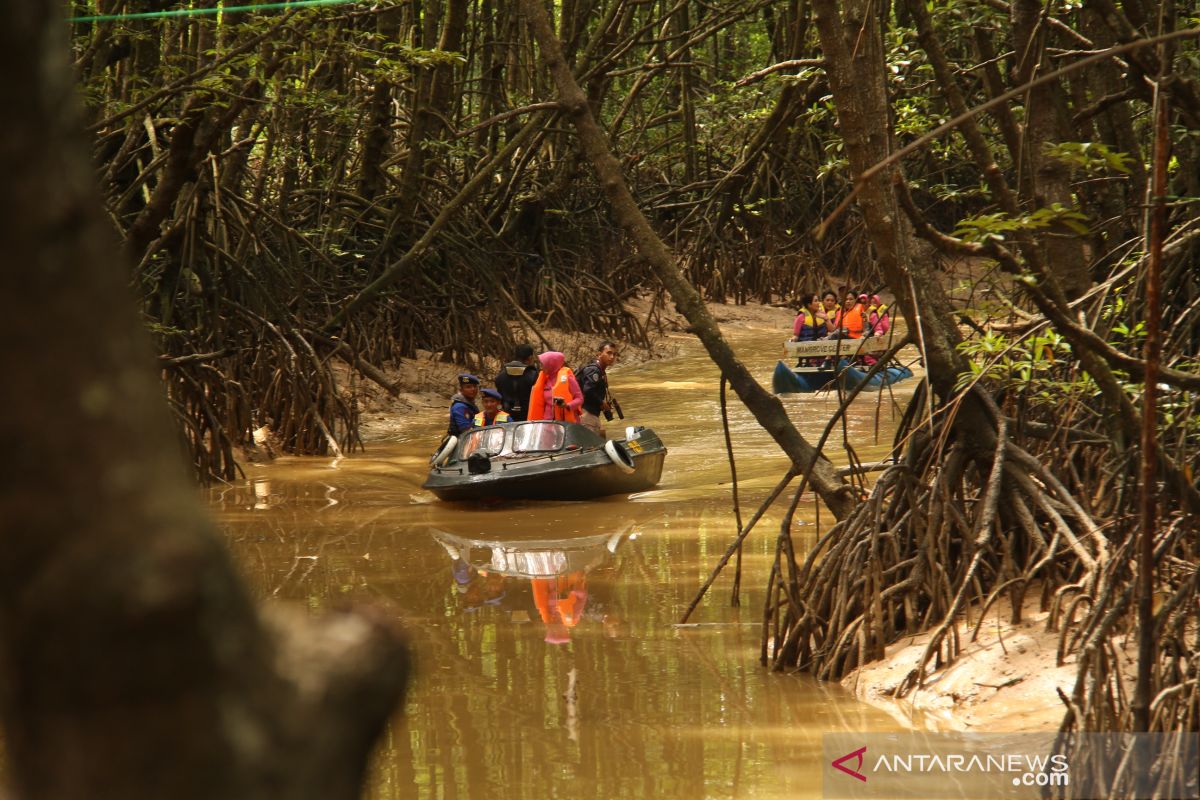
(550,659)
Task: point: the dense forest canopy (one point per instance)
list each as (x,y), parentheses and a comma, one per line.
(363,181)
(265,167)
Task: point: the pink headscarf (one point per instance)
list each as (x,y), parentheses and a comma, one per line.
(552,361)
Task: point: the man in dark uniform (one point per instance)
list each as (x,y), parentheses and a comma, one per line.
(593,382)
(462,405)
(515,382)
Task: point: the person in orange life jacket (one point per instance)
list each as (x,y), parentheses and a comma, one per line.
(556,393)
(462,405)
(516,380)
(593,382)
(492,414)
(853,318)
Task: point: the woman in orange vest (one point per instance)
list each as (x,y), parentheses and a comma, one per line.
(556,394)
(853,317)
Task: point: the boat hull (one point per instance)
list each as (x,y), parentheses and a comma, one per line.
(580,474)
(787,380)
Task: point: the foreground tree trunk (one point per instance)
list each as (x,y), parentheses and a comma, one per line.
(132,662)
(853,50)
(766,408)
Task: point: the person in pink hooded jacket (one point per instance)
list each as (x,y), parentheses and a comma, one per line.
(556,395)
(877,316)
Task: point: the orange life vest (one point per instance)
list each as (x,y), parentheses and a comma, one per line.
(562,389)
(481,419)
(561,598)
(852,321)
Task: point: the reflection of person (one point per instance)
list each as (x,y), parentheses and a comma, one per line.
(491,414)
(462,405)
(516,380)
(556,393)
(560,602)
(487,588)
(593,382)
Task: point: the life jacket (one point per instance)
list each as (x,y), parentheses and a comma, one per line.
(593,383)
(561,598)
(879,320)
(452,429)
(853,321)
(833,320)
(501,417)
(562,389)
(805,328)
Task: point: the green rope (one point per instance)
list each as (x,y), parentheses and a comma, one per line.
(192,12)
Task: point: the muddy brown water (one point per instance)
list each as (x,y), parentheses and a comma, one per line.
(550,661)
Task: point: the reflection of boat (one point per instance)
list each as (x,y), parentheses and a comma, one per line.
(557,569)
(811,379)
(544,461)
(531,558)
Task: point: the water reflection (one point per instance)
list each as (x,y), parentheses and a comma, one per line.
(497,571)
(549,662)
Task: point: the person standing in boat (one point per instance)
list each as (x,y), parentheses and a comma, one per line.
(462,405)
(555,394)
(492,413)
(515,382)
(593,382)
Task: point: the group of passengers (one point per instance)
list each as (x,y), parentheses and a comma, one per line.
(858,315)
(544,388)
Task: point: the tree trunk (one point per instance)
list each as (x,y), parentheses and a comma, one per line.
(1050,179)
(766,408)
(431,103)
(853,48)
(132,662)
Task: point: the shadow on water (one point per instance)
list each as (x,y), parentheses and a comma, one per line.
(550,658)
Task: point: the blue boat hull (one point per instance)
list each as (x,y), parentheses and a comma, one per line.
(787,380)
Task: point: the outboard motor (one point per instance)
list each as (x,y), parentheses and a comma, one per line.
(479,464)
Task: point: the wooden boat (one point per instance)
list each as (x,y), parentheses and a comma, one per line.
(544,461)
(814,362)
(812,379)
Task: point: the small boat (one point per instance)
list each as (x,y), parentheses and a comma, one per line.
(814,368)
(544,461)
(812,379)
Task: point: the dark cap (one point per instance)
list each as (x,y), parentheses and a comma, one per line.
(466,377)
(492,393)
